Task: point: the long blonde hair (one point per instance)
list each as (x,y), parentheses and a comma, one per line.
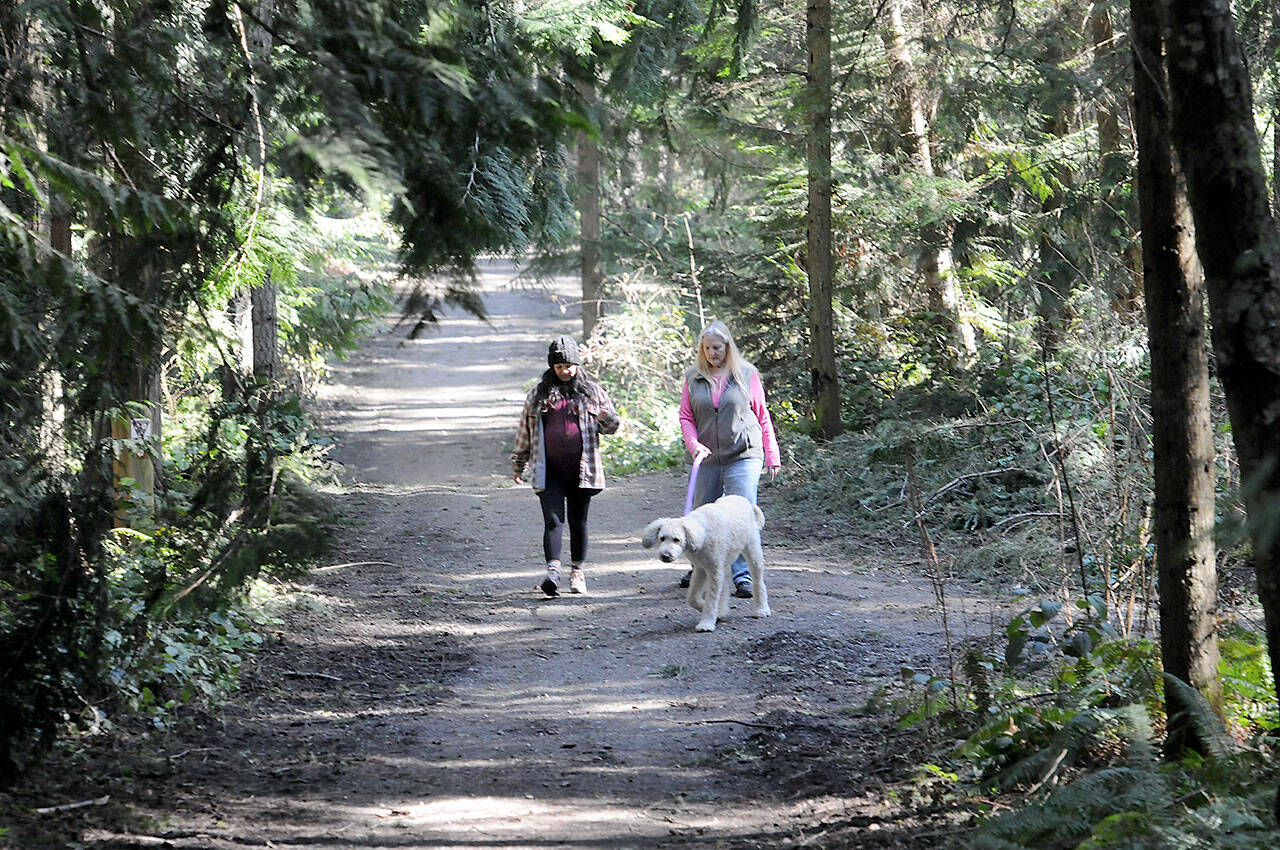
(733,360)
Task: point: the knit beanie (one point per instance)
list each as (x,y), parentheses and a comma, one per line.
(563,349)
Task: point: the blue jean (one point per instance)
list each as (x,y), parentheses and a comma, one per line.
(739,477)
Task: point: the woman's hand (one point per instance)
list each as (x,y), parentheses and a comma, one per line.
(517,478)
(773,472)
(702,453)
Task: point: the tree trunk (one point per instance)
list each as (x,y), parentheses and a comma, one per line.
(264,318)
(1102,34)
(262,294)
(14,56)
(1237,242)
(936,266)
(22,48)
(1182,429)
(127,420)
(265,331)
(1113,167)
(588,174)
(819,264)
(1273,47)
(260,453)
(53,439)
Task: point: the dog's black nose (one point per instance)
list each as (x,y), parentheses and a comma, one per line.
(666,559)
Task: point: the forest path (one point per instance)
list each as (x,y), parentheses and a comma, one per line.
(427,695)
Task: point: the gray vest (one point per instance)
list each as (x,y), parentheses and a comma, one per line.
(731,430)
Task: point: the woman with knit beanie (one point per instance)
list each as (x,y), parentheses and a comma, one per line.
(558,451)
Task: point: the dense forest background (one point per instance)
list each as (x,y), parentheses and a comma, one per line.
(970,246)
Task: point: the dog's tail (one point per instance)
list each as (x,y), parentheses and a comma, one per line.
(759,516)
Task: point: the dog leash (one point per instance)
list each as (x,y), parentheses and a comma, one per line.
(693,478)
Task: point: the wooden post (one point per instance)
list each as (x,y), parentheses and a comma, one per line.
(136,439)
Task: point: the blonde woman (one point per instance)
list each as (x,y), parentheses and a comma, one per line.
(725,423)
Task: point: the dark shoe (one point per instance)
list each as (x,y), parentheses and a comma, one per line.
(742,590)
(688,577)
(551,584)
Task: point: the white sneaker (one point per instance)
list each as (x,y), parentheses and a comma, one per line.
(577,581)
(551,584)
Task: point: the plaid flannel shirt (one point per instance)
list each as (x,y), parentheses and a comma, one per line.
(595,417)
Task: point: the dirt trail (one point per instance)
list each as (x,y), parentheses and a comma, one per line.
(429,696)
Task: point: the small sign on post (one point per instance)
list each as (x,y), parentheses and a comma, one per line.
(141,428)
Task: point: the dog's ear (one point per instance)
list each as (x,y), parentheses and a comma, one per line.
(649,536)
(694,533)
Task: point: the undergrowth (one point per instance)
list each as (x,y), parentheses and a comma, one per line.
(1059,741)
(122,599)
(641,353)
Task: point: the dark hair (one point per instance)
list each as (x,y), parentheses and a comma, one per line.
(552,389)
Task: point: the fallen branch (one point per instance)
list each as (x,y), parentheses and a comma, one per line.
(66,807)
(1048,774)
(355,564)
(305,674)
(132,839)
(1030,515)
(956,482)
(739,722)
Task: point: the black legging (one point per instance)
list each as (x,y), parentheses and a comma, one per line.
(559,495)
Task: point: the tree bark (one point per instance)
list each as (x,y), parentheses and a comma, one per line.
(130,410)
(819,263)
(1237,243)
(264,316)
(265,320)
(22,47)
(1113,167)
(1273,46)
(265,331)
(1182,438)
(1102,34)
(588,174)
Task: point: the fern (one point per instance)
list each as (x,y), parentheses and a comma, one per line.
(1115,807)
(1207,725)
(1142,803)
(1063,745)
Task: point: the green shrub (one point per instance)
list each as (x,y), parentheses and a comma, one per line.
(641,353)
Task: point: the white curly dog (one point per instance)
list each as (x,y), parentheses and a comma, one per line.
(712,537)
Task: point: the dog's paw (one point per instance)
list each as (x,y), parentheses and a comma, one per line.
(762,611)
(705,626)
